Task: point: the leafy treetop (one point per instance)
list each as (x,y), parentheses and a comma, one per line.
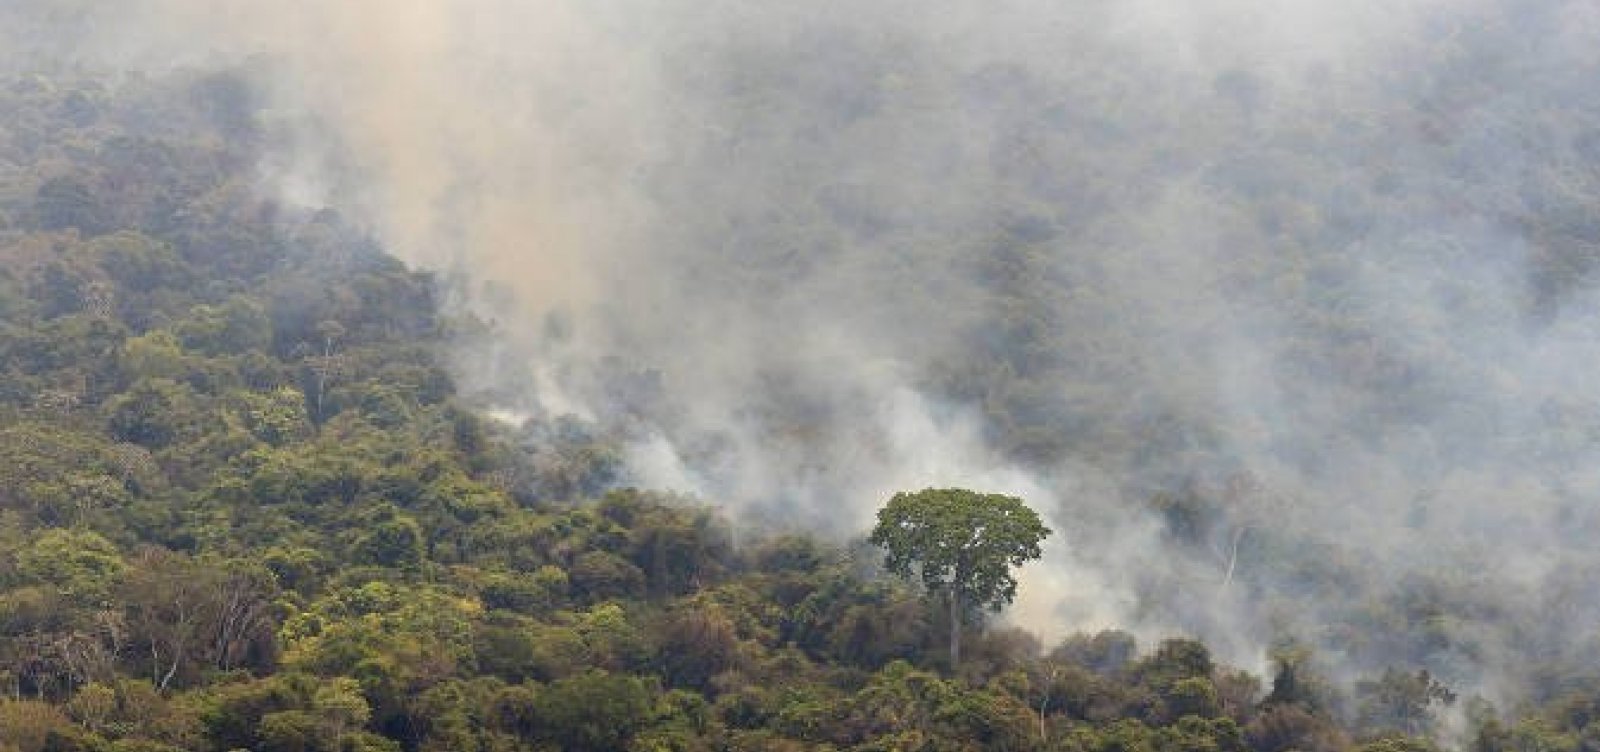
(962,543)
(959,539)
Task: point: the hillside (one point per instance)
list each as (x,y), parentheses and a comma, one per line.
(1290,347)
(243,508)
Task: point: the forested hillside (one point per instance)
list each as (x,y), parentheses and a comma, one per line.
(1284,318)
(243,509)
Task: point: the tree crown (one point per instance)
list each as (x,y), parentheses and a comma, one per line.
(959,539)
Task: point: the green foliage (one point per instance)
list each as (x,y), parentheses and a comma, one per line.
(1398,744)
(79,563)
(1279,728)
(1104,652)
(1401,702)
(697,644)
(69,203)
(391,540)
(154,355)
(960,541)
(135,261)
(1195,696)
(599,575)
(238,325)
(276,417)
(1177,658)
(593,711)
(155,413)
(539,591)
(241,507)
(28,726)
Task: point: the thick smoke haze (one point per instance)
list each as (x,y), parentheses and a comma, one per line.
(1284,312)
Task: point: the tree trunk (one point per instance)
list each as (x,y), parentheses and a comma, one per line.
(171,672)
(1233,556)
(955,629)
(1044,700)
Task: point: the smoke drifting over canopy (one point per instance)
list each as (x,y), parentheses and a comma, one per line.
(1284,311)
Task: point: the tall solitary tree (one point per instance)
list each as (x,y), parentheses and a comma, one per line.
(960,543)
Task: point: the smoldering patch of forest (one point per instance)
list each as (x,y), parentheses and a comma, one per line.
(1285,313)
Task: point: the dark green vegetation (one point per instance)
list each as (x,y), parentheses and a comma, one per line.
(962,544)
(241,507)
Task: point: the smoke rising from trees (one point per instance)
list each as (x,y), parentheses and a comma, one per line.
(1285,311)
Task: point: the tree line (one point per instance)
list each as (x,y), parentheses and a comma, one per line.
(242,506)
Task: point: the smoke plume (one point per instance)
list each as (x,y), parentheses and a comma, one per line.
(1284,312)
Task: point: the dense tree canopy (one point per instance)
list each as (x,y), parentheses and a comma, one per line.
(960,543)
(244,506)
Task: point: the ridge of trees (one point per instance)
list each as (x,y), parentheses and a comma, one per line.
(242,507)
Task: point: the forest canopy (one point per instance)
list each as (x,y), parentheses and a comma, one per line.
(538,398)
